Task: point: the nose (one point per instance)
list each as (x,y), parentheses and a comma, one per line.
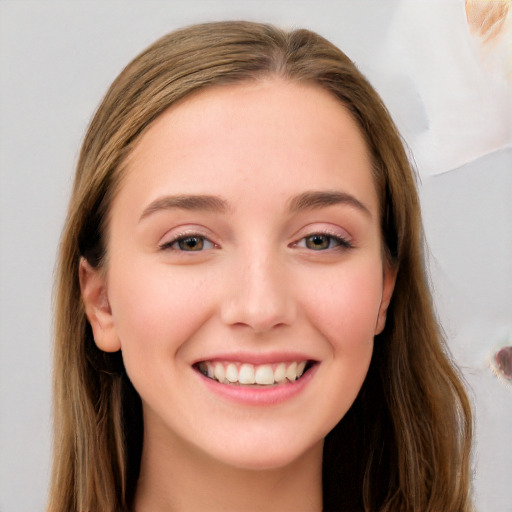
(258,295)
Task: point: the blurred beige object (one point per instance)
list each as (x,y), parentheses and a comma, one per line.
(490,22)
(486,18)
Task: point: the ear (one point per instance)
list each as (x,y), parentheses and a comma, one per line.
(97,308)
(388,285)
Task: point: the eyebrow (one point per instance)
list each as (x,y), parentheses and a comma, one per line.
(320,199)
(186,202)
(310,200)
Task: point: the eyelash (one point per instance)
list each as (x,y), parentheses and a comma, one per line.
(340,242)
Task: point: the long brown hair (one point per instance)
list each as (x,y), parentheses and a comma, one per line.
(404,445)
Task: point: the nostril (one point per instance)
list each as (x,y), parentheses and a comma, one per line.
(260,318)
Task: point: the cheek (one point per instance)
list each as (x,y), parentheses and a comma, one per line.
(345,308)
(155,313)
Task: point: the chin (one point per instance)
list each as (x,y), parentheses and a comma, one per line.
(267,452)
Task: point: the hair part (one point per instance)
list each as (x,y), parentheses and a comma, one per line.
(409,430)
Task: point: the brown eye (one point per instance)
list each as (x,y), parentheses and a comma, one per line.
(318,242)
(191,243)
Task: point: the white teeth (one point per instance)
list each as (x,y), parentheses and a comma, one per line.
(231,373)
(219,372)
(247,374)
(264,374)
(280,372)
(291,372)
(300,369)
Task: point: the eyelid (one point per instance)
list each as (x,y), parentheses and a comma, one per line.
(317,229)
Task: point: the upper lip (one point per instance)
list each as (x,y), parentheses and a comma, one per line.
(257,358)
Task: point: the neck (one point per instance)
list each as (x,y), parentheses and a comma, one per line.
(175,476)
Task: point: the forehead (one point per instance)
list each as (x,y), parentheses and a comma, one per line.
(264,135)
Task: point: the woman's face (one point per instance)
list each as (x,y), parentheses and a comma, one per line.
(245,280)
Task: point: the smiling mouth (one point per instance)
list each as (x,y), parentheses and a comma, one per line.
(247,374)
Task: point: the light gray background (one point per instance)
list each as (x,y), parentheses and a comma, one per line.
(57,59)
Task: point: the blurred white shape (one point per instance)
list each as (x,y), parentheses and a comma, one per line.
(451,106)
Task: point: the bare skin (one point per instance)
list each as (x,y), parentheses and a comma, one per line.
(246,232)
(172,484)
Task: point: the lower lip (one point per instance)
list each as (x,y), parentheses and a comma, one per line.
(264,395)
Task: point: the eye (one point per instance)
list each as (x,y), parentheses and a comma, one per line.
(189,243)
(322,242)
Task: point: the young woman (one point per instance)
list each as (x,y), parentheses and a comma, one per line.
(242,316)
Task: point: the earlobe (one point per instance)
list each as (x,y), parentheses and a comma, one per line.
(97,308)
(388,285)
